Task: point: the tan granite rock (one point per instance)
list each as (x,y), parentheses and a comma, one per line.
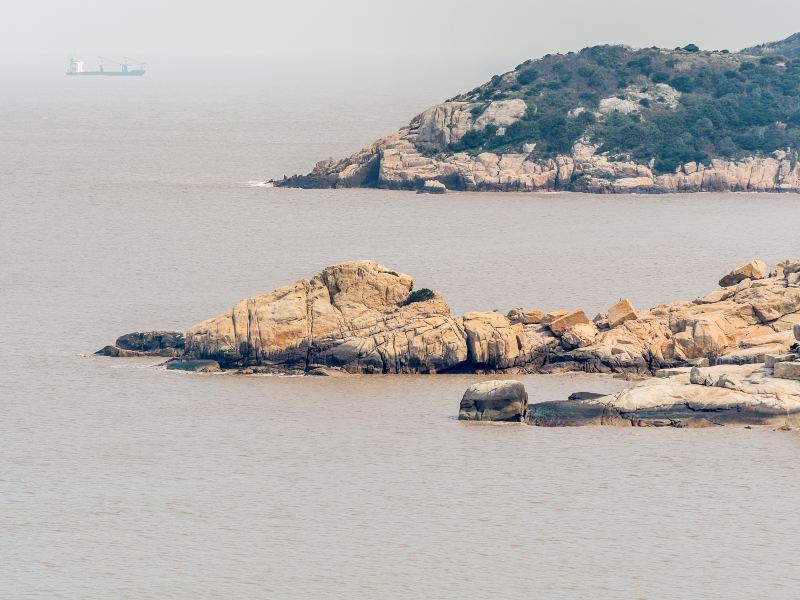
(619,313)
(580,335)
(755,269)
(492,340)
(525,316)
(351,315)
(359,317)
(561,324)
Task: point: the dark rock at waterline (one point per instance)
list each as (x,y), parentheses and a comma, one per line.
(585,396)
(195,366)
(146,343)
(151,341)
(572,413)
(327,372)
(504,400)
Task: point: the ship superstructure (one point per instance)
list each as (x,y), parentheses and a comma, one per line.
(78,67)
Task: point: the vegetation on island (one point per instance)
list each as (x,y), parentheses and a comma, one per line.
(675,106)
(420,295)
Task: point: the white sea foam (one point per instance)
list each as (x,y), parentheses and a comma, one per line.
(257,183)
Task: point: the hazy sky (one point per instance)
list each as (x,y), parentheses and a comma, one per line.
(334,38)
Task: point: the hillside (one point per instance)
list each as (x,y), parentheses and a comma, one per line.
(789,48)
(608,119)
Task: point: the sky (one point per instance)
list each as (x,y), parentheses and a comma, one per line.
(327,40)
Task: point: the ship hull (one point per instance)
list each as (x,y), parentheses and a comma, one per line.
(132,73)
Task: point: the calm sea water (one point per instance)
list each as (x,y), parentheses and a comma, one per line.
(127,207)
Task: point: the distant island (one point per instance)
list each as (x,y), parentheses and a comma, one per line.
(607,119)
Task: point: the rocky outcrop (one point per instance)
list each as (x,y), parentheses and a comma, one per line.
(494,401)
(361,317)
(147,343)
(353,316)
(422,153)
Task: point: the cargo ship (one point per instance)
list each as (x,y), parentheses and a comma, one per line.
(77,67)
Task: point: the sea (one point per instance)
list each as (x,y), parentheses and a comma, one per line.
(131,204)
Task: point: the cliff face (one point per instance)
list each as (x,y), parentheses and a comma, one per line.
(605,120)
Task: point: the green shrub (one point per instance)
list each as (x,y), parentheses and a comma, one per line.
(660,77)
(420,295)
(527,77)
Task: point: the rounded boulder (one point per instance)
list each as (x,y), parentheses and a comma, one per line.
(498,400)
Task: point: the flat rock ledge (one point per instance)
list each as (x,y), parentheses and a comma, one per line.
(363,318)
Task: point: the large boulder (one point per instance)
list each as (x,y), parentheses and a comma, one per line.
(358,316)
(504,400)
(619,313)
(754,269)
(570,319)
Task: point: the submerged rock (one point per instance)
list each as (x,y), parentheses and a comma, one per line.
(196,366)
(504,400)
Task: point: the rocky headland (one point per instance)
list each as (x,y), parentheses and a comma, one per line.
(607,119)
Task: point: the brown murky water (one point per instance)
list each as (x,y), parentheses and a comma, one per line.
(118,479)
